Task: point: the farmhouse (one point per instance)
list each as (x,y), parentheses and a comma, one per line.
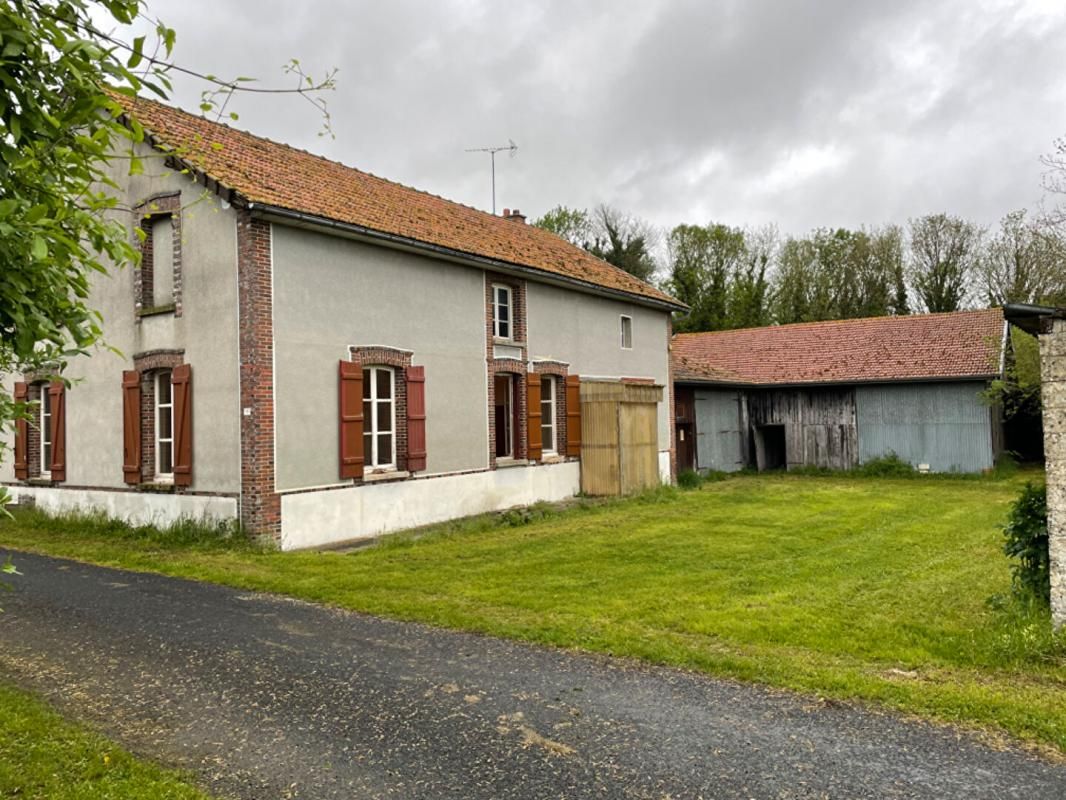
(837,394)
(326,355)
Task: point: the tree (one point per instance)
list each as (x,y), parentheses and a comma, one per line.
(624,240)
(1023,263)
(750,292)
(568,223)
(944,252)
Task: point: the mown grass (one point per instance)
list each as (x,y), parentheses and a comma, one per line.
(44,756)
(873,589)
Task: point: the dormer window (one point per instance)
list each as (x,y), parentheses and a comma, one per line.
(501,311)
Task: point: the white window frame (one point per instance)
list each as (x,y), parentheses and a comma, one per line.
(161,408)
(496,305)
(45,421)
(370,426)
(549,446)
(626,332)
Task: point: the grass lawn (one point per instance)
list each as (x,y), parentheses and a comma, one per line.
(853,588)
(43,756)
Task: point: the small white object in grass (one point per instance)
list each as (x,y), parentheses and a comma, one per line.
(923,468)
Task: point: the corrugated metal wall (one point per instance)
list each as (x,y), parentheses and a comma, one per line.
(719,431)
(944,425)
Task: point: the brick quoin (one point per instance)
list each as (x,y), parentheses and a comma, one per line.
(260,505)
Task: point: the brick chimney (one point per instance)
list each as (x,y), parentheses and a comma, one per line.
(516,215)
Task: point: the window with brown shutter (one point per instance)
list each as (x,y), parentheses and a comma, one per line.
(573,415)
(416,418)
(57,394)
(533,414)
(350,409)
(131,426)
(22,434)
(181,383)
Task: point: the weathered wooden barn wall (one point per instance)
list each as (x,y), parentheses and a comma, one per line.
(819,424)
(721,430)
(944,425)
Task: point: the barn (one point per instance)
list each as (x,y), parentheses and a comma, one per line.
(838,394)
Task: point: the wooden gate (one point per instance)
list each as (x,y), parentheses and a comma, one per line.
(619,437)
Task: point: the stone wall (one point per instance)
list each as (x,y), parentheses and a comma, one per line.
(1053,378)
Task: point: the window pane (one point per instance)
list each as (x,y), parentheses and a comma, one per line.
(384,381)
(385,449)
(166,458)
(547,437)
(368,455)
(366,385)
(547,412)
(503,313)
(46,456)
(166,424)
(368,416)
(384,417)
(503,330)
(164,388)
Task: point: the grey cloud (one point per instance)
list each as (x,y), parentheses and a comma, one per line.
(802,113)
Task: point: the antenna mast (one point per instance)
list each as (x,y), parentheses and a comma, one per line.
(512,148)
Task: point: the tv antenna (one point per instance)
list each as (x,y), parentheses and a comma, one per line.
(512,148)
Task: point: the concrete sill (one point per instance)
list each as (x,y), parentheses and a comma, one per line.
(40,482)
(508,463)
(156,488)
(385,477)
(508,342)
(169,308)
(554,458)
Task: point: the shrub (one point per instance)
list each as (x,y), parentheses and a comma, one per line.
(887,466)
(689,479)
(1027,541)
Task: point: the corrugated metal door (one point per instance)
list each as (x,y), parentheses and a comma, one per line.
(944,425)
(719,437)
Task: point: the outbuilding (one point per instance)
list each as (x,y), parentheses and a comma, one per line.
(839,394)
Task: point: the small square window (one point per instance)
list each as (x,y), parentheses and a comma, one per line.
(627,333)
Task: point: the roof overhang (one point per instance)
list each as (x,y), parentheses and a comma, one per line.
(713,384)
(1031,318)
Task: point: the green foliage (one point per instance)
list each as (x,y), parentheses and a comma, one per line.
(1023,262)
(689,479)
(721,273)
(1017,391)
(1027,542)
(571,224)
(887,466)
(944,255)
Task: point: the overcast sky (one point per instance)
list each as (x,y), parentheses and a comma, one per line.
(804,114)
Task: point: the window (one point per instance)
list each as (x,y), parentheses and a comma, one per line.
(504,421)
(164,426)
(627,332)
(547,415)
(379,416)
(46,431)
(162,233)
(501,311)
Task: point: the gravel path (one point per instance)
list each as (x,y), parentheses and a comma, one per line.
(265,697)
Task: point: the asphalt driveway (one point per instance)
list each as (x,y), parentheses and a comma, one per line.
(265,697)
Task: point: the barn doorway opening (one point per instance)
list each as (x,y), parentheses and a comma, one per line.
(770,453)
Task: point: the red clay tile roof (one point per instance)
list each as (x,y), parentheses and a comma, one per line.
(274,174)
(962,344)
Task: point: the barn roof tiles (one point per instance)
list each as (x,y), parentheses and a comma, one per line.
(951,346)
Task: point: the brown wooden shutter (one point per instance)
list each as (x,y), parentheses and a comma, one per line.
(131,426)
(181,382)
(22,432)
(416,418)
(533,417)
(58,393)
(573,415)
(351,419)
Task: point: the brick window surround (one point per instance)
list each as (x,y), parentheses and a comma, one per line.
(516,367)
(558,370)
(149,364)
(148,213)
(399,360)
